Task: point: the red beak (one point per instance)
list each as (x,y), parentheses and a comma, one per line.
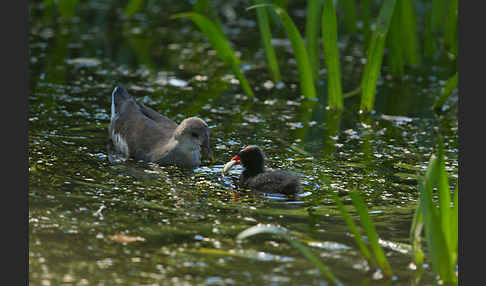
(237,159)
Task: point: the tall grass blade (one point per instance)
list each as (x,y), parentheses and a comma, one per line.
(281,3)
(369,227)
(455,226)
(438,10)
(444,196)
(282,232)
(331,55)
(415,235)
(201,7)
(266,36)
(312,34)
(350,15)
(235,67)
(132,7)
(305,70)
(451,84)
(439,251)
(354,230)
(409,39)
(366,19)
(219,42)
(430,46)
(394,43)
(375,55)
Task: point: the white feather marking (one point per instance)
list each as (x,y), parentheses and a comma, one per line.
(113,103)
(120,143)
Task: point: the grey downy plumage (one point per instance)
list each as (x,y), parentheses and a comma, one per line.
(140,132)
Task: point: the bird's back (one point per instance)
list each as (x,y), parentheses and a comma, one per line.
(136,129)
(273,181)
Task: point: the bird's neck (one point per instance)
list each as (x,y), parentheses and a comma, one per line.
(254,170)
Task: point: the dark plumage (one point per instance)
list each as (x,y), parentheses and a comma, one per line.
(140,132)
(258,178)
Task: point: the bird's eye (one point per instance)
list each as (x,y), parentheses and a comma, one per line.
(194,134)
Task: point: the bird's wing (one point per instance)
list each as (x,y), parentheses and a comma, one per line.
(142,134)
(162,121)
(274,181)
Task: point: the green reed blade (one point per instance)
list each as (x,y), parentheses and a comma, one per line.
(350,15)
(312,34)
(369,227)
(444,196)
(354,230)
(282,232)
(281,3)
(439,252)
(366,19)
(433,233)
(266,36)
(132,7)
(305,71)
(451,84)
(430,46)
(215,38)
(352,93)
(201,7)
(375,56)
(394,43)
(438,10)
(409,39)
(415,235)
(219,42)
(235,67)
(331,55)
(450,36)
(455,225)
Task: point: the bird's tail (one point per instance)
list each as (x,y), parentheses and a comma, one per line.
(291,187)
(118,96)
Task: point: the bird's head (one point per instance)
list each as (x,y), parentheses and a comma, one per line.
(193,134)
(251,158)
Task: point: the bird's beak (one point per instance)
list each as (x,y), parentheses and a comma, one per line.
(234,161)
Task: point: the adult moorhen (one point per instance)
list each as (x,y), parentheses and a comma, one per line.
(258,178)
(140,132)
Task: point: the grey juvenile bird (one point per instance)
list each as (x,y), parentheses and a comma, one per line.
(140,132)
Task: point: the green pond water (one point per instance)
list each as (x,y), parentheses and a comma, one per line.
(183,226)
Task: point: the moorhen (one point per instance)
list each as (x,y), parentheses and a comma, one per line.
(258,178)
(140,132)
